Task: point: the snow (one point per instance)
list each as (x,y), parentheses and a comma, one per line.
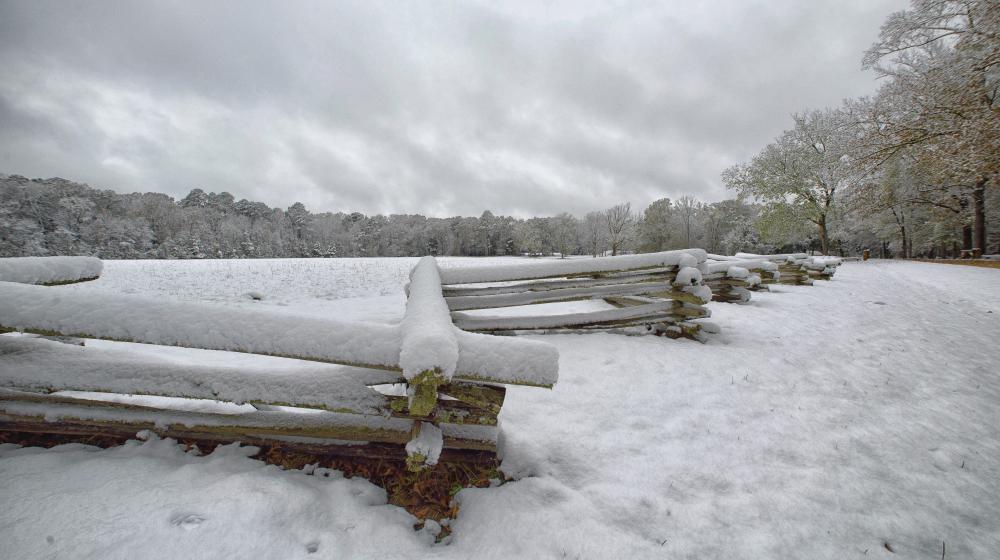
(734,267)
(820,422)
(428,335)
(152,500)
(688,276)
(737,272)
(702,291)
(261,331)
(563,267)
(827,261)
(428,443)
(487,322)
(691,258)
(47,270)
(722,265)
(248,422)
(211,326)
(459,303)
(517,360)
(820,263)
(800,258)
(36,364)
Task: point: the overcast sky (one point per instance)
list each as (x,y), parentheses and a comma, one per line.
(440,108)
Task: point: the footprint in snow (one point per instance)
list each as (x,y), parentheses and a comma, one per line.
(187,521)
(312,547)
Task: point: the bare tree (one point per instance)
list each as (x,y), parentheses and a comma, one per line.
(564,229)
(594,233)
(687,206)
(619,220)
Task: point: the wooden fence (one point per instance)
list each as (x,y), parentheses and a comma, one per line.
(427,389)
(800,268)
(791,267)
(376,392)
(659,292)
(732,278)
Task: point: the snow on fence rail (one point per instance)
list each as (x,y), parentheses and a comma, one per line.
(452,401)
(800,268)
(790,266)
(823,267)
(573,267)
(660,292)
(732,279)
(49,271)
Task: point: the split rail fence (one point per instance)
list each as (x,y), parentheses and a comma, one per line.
(733,278)
(800,268)
(663,293)
(427,389)
(340,406)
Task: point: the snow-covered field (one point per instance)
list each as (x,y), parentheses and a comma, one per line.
(836,421)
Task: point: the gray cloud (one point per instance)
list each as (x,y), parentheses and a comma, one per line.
(441,108)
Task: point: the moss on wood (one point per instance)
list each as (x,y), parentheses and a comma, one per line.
(423,392)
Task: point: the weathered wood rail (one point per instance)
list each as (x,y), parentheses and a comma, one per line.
(661,293)
(422,390)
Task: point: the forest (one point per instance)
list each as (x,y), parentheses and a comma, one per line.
(60,217)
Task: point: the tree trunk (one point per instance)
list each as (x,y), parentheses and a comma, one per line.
(902,233)
(979,216)
(824,245)
(966,228)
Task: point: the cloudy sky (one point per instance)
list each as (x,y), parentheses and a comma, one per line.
(441,108)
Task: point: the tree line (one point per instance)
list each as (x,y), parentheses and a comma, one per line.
(61,217)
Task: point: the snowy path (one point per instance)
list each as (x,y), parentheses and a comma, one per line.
(823,422)
(797,435)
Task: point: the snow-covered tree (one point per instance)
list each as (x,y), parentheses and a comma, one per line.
(941,101)
(803,170)
(656,228)
(619,221)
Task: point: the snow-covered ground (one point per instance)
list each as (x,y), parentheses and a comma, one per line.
(835,421)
